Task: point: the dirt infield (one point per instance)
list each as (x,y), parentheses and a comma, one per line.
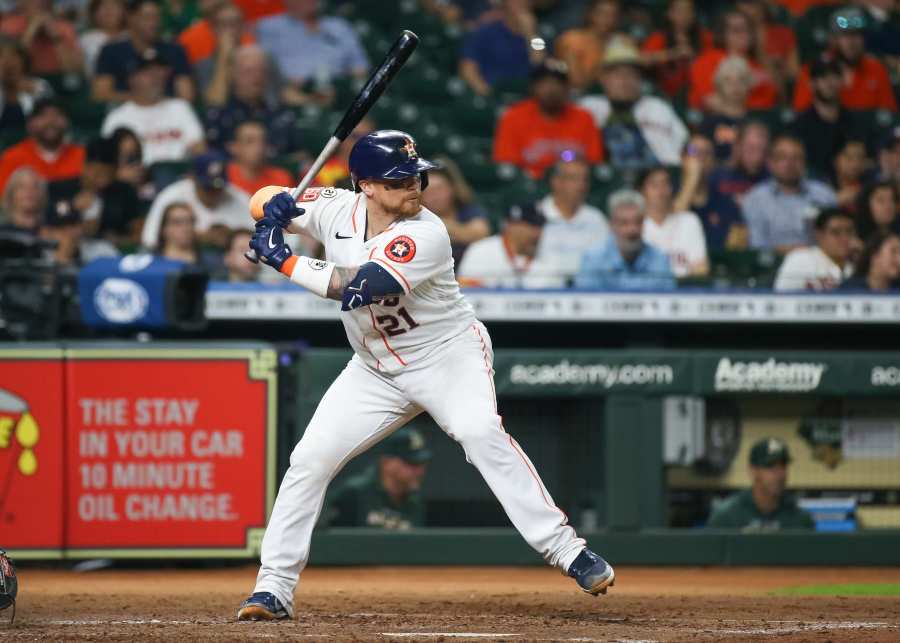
(457,603)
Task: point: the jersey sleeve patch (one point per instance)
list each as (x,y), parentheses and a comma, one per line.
(401,249)
(310,194)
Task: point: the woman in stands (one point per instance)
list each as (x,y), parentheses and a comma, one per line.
(24,201)
(178,238)
(582,49)
(107,20)
(878,209)
(726,108)
(734,37)
(879,266)
(451,198)
(669,51)
(18,89)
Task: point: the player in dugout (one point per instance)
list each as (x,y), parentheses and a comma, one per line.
(765,506)
(386,494)
(418,348)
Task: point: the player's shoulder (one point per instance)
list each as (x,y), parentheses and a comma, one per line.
(426,224)
(325,195)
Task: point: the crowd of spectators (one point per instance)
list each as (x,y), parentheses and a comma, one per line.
(722,135)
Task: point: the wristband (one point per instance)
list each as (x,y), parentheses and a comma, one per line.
(312,274)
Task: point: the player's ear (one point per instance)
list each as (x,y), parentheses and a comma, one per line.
(367,187)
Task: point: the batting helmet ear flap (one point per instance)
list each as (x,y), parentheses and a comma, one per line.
(423,180)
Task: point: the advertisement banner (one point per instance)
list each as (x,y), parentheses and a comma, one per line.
(31,451)
(168,450)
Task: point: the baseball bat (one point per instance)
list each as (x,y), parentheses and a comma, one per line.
(395,58)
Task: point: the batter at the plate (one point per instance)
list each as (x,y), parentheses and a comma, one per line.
(418,348)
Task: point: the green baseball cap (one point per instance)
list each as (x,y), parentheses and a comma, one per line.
(407,444)
(768,452)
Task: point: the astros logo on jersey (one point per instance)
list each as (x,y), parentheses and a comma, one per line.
(402,249)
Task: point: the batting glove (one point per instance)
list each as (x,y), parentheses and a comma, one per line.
(281,209)
(268,243)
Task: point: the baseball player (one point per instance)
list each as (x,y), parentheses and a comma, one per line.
(418,347)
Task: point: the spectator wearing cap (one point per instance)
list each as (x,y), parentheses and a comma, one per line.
(677,233)
(639,130)
(387,494)
(107,24)
(625,261)
(65,226)
(878,267)
(46,150)
(865,81)
(536,132)
(826,264)
(582,48)
(119,59)
(501,51)
(451,198)
(18,89)
(765,506)
(509,259)
(780,211)
(825,125)
(248,169)
(726,108)
(247,94)
(237,268)
(747,166)
(217,206)
(109,208)
(168,128)
(331,49)
(572,226)
(723,224)
(734,37)
(51,42)
(669,51)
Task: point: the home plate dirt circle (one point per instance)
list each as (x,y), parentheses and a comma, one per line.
(660,605)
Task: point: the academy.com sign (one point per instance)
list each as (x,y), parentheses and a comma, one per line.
(605,375)
(768,375)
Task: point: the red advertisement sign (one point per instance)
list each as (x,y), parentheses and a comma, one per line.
(31,454)
(164,453)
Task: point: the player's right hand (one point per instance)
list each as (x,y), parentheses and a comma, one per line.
(268,243)
(281,209)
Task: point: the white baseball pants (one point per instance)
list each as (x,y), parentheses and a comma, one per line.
(455,385)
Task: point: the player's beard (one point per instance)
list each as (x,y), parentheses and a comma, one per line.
(410,206)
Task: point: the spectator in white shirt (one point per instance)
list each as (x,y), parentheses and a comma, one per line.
(508,259)
(167,127)
(572,226)
(825,265)
(218,207)
(678,234)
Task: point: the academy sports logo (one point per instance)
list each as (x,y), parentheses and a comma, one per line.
(885,376)
(605,375)
(402,249)
(768,376)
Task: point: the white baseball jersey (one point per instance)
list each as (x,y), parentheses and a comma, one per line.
(681,237)
(810,269)
(399,330)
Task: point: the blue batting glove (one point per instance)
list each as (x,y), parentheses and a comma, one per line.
(268,243)
(281,209)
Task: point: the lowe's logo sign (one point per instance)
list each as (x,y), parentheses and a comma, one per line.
(121,301)
(770,375)
(885,376)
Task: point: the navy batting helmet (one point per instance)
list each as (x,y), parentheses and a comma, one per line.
(387,154)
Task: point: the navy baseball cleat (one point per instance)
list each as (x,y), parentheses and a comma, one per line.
(262,606)
(593,574)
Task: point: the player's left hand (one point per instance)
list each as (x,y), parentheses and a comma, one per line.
(268,243)
(282,209)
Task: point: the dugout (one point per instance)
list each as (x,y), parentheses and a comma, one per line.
(636,445)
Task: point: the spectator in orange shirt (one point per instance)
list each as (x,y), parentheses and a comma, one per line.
(221,21)
(51,42)
(866,81)
(536,132)
(45,150)
(734,37)
(247,169)
(669,51)
(777,41)
(582,49)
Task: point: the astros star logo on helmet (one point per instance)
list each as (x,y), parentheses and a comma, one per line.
(402,249)
(410,149)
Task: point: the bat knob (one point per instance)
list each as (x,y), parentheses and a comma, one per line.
(251,256)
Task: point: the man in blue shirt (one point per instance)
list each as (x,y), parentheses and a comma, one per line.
(624,261)
(307,47)
(780,211)
(503,50)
